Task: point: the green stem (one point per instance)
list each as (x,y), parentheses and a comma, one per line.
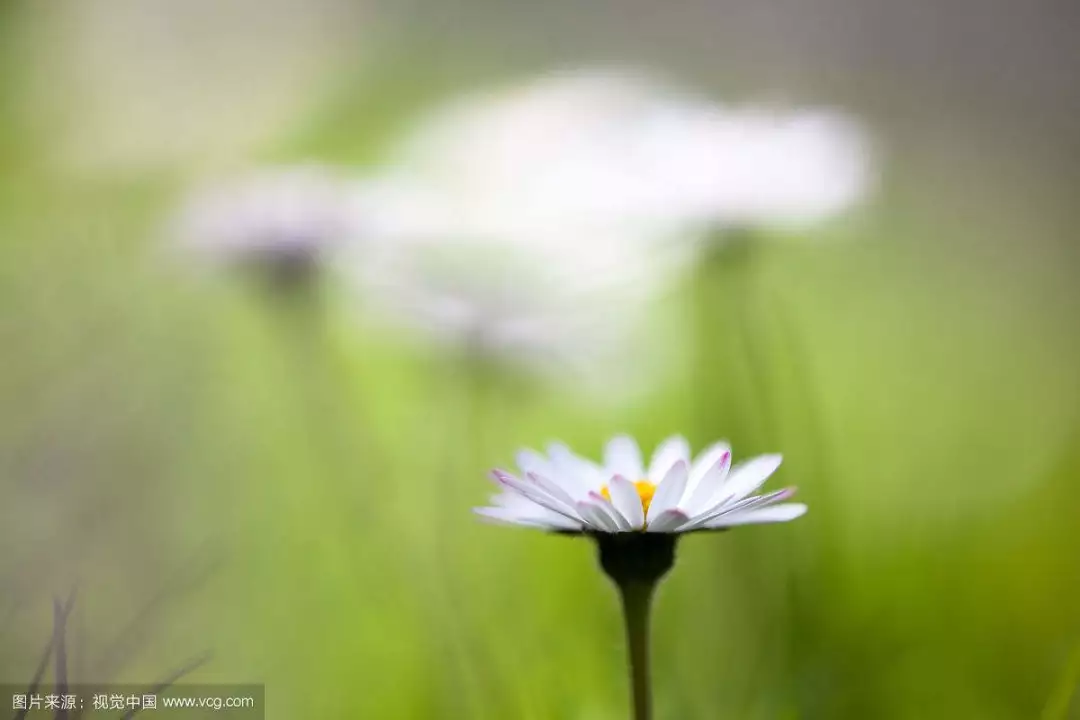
(1057,707)
(637,607)
(636,562)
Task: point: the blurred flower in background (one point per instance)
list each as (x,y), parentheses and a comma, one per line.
(503,226)
(625,151)
(541,219)
(283,222)
(541,222)
(760,167)
(554,303)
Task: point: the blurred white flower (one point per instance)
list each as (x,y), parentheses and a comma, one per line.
(674,494)
(563,303)
(286,220)
(543,220)
(756,167)
(620,152)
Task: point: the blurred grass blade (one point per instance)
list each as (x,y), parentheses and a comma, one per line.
(1057,707)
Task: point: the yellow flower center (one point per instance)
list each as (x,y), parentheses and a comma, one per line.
(645,491)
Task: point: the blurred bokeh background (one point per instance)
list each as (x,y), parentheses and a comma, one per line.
(225,418)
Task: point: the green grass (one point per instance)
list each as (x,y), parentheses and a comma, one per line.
(922,386)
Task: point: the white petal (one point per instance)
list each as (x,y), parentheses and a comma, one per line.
(611,511)
(537,495)
(669,492)
(501,516)
(553,489)
(705,462)
(700,495)
(667,521)
(531,461)
(509,517)
(750,503)
(622,456)
(523,507)
(625,498)
(776,513)
(669,452)
(747,477)
(574,470)
(513,501)
(596,518)
(754,501)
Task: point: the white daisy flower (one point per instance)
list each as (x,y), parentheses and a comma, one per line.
(542,221)
(563,492)
(285,220)
(560,301)
(754,166)
(623,151)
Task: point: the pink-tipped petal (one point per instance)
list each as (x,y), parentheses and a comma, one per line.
(552,489)
(538,496)
(502,516)
(499,476)
(747,477)
(705,461)
(750,503)
(772,514)
(708,485)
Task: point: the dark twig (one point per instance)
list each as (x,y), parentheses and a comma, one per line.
(60,677)
(186,669)
(60,614)
(123,646)
(38,674)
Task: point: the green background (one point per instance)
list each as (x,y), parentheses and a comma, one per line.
(263,476)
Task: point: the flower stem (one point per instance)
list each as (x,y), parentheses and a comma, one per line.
(637,606)
(636,562)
